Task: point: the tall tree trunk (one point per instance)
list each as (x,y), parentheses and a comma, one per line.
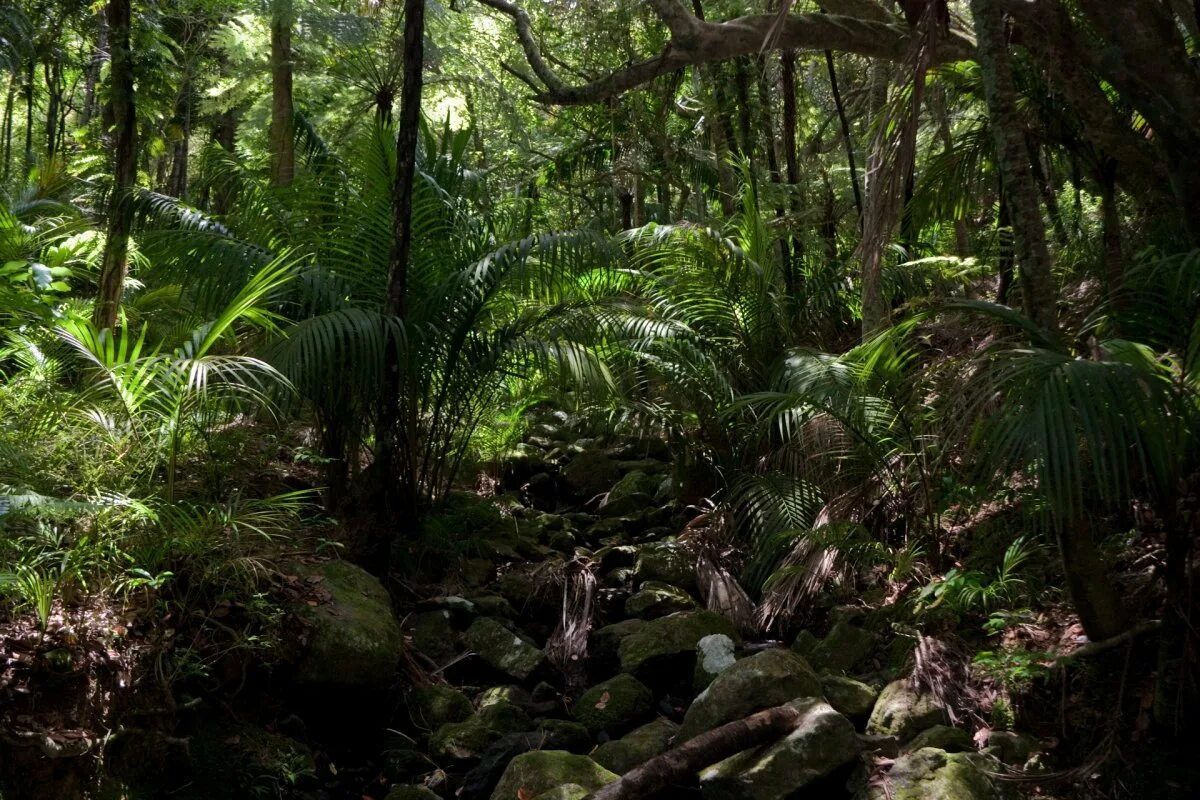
(52,71)
(787,87)
(1089,584)
(1113,251)
(177,184)
(847,139)
(767,126)
(283,114)
(1033,255)
(225,135)
(29,76)
(1004,244)
(962,237)
(1049,196)
(99,55)
(120,202)
(745,114)
(391,443)
(9,101)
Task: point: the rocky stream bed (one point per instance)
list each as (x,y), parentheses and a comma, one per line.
(578,644)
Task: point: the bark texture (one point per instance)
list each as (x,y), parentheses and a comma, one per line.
(1012,154)
(120,206)
(283,112)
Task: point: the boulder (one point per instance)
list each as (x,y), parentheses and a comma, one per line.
(591,473)
(511,653)
(411,793)
(714,655)
(822,742)
(636,747)
(635,482)
(563,734)
(616,705)
(467,740)
(651,643)
(943,737)
(931,774)
(844,648)
(538,771)
(433,634)
(903,712)
(770,678)
(604,644)
(431,707)
(805,644)
(569,791)
(1012,748)
(353,640)
(853,698)
(668,562)
(656,599)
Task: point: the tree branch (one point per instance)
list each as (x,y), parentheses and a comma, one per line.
(695,41)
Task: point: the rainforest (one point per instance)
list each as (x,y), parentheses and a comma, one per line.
(599,400)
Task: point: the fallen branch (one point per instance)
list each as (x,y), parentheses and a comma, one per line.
(681,763)
(1095,648)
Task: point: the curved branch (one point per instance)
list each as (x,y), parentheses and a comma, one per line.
(695,41)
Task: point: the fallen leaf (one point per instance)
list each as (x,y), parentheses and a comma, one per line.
(603,702)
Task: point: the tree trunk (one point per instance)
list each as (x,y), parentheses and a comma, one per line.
(1004,242)
(787,87)
(29,76)
(99,55)
(1033,255)
(962,237)
(847,139)
(53,74)
(1113,252)
(120,203)
(9,102)
(177,184)
(682,763)
(283,114)
(225,135)
(1089,585)
(391,443)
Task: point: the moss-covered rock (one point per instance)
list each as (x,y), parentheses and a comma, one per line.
(853,698)
(903,712)
(844,648)
(352,640)
(430,707)
(615,705)
(676,635)
(770,678)
(714,655)
(656,599)
(236,760)
(667,562)
(511,653)
(570,791)
(411,793)
(931,774)
(467,740)
(943,737)
(636,747)
(634,482)
(604,644)
(823,741)
(563,734)
(591,473)
(538,771)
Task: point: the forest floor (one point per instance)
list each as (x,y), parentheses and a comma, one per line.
(567,622)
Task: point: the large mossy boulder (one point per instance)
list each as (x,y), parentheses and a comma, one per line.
(616,705)
(770,678)
(903,712)
(635,482)
(353,640)
(636,747)
(591,473)
(504,650)
(823,741)
(666,562)
(538,771)
(236,760)
(649,645)
(657,599)
(932,774)
(853,698)
(433,634)
(467,740)
(845,647)
(431,707)
(943,737)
